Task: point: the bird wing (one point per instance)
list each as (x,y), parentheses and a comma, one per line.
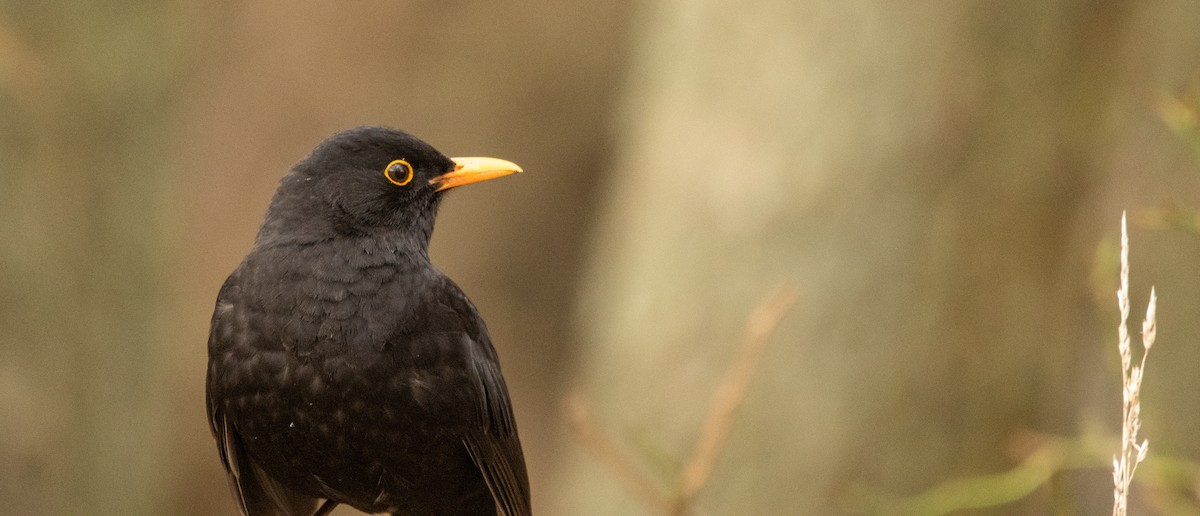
(492,439)
(494,446)
(257,494)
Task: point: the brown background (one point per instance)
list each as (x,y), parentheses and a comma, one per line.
(942,181)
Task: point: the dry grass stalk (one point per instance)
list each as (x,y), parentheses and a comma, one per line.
(729,395)
(1132,452)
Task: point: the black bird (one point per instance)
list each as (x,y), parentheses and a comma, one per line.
(342,365)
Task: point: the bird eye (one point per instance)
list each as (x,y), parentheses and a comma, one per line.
(399,172)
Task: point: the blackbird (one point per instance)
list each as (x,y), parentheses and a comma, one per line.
(342,365)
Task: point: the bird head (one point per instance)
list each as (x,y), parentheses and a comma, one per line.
(369,180)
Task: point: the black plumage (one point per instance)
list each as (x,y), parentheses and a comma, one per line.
(342,365)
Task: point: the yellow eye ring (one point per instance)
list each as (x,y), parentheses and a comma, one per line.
(398,167)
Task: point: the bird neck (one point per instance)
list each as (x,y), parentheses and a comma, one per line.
(297,219)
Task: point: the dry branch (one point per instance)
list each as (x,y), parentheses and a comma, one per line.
(728,396)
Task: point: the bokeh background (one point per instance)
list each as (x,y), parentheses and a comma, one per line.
(939,182)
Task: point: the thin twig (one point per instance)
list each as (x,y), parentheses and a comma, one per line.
(728,396)
(732,391)
(605,451)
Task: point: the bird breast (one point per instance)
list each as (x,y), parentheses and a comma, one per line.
(342,295)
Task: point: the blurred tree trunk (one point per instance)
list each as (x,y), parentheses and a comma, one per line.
(919,170)
(86,203)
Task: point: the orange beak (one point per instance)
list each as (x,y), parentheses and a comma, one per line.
(474,170)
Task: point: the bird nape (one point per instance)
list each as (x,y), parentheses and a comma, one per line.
(343,368)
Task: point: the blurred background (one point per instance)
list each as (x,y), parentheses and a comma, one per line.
(939,185)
